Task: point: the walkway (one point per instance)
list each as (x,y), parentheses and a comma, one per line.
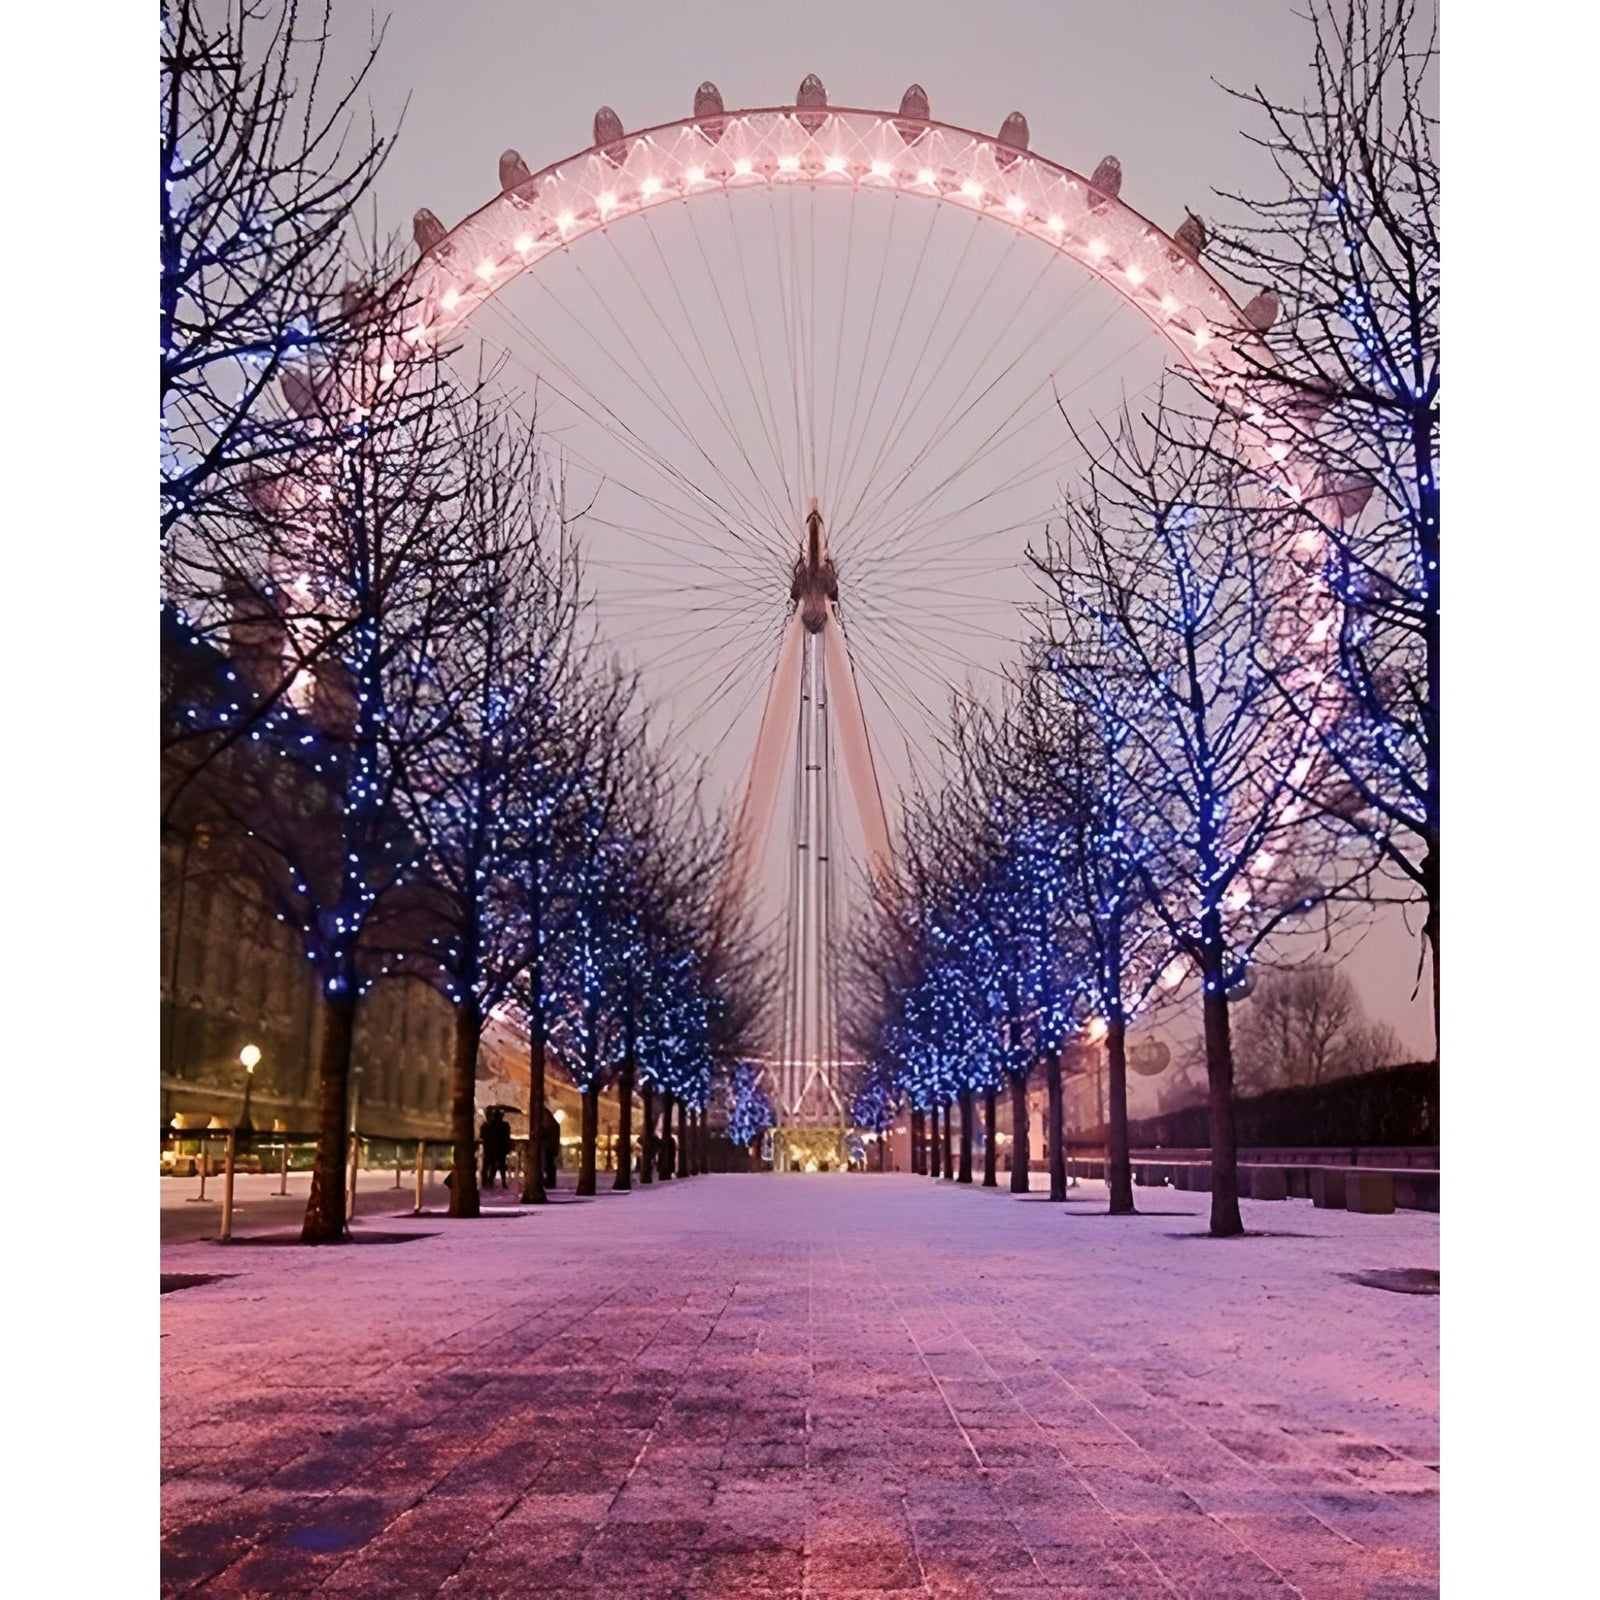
(821,1386)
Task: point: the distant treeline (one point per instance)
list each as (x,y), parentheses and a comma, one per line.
(1394,1105)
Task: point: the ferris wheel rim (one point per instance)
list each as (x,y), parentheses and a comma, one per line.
(448,286)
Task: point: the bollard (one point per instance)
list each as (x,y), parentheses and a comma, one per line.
(200,1165)
(283,1168)
(226,1232)
(416,1210)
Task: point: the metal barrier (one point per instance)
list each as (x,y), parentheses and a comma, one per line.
(234,1144)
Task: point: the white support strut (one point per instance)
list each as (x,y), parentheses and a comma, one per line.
(856,749)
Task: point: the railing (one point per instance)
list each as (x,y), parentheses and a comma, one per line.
(219,1150)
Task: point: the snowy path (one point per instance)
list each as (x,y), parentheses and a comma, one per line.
(819,1386)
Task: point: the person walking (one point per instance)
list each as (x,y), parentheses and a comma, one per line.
(550,1147)
(496,1148)
(486,1149)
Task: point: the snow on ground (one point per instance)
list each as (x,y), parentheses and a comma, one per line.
(819,1386)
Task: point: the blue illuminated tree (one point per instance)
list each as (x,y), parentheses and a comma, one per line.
(1173,582)
(376,529)
(750,1111)
(1072,739)
(508,704)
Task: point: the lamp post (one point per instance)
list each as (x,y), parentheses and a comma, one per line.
(355,1144)
(249,1057)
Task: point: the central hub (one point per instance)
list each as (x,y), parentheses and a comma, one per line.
(815,582)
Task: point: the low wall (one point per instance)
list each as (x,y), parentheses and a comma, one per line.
(1396,1106)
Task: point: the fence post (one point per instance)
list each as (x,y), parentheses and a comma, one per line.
(226,1232)
(283,1166)
(417,1208)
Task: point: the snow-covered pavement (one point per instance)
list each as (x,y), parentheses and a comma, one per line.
(824,1386)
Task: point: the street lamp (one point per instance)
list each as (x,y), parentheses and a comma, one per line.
(248,1058)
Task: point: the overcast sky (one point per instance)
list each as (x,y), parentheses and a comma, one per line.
(1139,80)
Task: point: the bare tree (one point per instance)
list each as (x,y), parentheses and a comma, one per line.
(1305,1026)
(261,172)
(1343,390)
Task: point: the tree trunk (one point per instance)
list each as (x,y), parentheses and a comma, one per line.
(647,1134)
(683,1140)
(964,1173)
(947,1143)
(463,1113)
(705,1141)
(664,1165)
(933,1143)
(918,1154)
(1055,1133)
(325,1214)
(625,1127)
(533,1193)
(1430,927)
(990,1154)
(1119,1169)
(1021,1151)
(1225,1218)
(589,1131)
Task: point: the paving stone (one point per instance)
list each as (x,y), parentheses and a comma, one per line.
(811,1389)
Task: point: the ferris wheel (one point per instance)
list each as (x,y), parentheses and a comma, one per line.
(804,368)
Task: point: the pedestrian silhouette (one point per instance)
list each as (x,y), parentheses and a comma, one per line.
(550,1145)
(496,1136)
